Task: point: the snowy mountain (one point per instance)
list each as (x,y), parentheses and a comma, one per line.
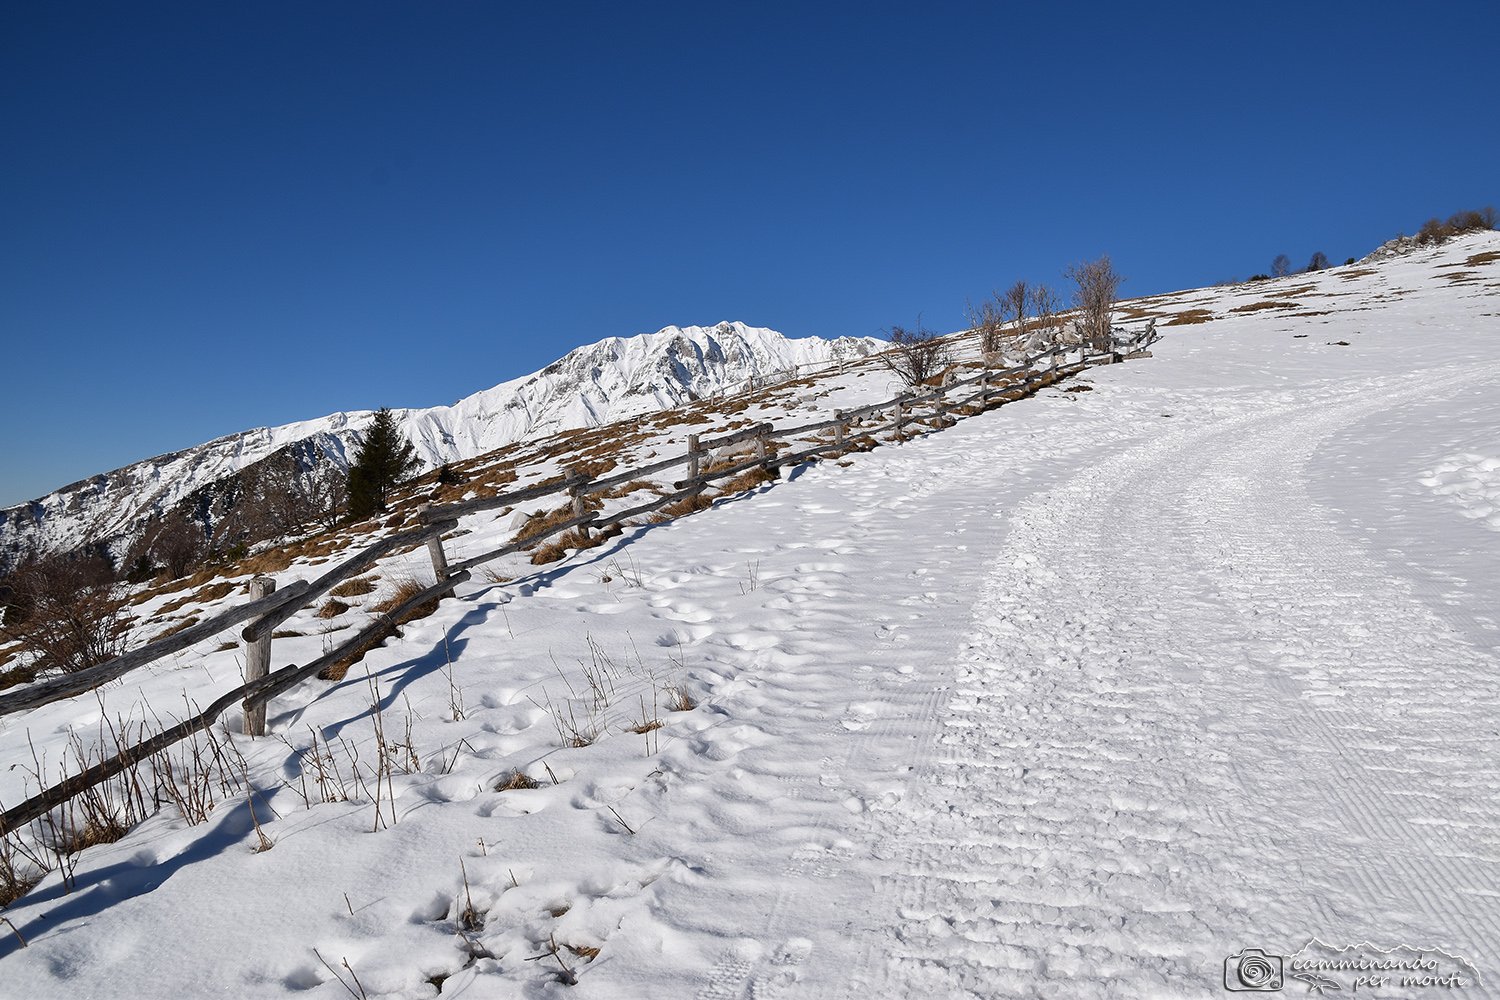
(615,378)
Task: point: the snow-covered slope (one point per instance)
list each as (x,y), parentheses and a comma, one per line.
(614,378)
(1080,698)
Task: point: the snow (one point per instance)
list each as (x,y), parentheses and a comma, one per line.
(615,378)
(1078,698)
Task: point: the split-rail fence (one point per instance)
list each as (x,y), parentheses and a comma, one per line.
(270,607)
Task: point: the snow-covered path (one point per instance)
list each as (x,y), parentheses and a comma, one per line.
(1077,698)
(1236,731)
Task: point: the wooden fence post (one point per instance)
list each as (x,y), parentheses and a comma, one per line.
(897,424)
(435,551)
(258,660)
(838,429)
(763,452)
(580,509)
(694,457)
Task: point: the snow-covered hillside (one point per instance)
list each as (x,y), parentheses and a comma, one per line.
(612,379)
(1080,698)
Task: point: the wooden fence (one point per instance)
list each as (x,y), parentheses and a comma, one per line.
(270,607)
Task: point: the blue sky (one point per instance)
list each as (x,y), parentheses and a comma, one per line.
(220,216)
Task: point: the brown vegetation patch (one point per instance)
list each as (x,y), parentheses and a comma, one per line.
(682,508)
(1458,277)
(357,587)
(1488,257)
(332,608)
(1261,306)
(1081,387)
(1190,316)
(12,677)
(181,626)
(516,780)
(573,538)
(1363,272)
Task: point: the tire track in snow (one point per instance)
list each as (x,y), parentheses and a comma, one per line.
(1136,787)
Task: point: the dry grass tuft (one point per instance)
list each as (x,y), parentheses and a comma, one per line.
(1261,306)
(682,508)
(183,625)
(332,608)
(1488,257)
(573,538)
(679,699)
(1079,388)
(747,480)
(586,952)
(405,590)
(515,781)
(357,587)
(1190,317)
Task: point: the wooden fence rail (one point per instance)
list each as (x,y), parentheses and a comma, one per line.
(276,606)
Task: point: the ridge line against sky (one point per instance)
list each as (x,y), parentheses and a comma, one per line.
(224,218)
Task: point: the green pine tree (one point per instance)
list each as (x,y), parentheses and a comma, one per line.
(385,459)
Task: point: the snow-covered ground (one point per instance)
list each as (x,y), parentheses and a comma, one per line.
(1078,698)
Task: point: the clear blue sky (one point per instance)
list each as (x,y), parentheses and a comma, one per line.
(221,216)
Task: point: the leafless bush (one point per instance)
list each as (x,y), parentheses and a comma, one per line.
(1014,303)
(65,612)
(1047,308)
(1098,285)
(916,355)
(986,321)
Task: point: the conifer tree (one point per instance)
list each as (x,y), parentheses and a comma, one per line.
(385,459)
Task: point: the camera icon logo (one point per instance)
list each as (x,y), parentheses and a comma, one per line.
(1253,971)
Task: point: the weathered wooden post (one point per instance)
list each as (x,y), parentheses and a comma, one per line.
(763,452)
(435,551)
(258,661)
(897,424)
(694,457)
(577,491)
(838,429)
(984,389)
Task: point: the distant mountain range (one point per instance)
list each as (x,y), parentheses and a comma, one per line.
(610,380)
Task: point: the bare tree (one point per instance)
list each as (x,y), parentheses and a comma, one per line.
(916,355)
(177,544)
(1319,261)
(328,493)
(66,612)
(1013,306)
(1047,308)
(1281,266)
(1098,284)
(986,321)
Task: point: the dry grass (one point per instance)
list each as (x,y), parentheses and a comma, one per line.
(1363,272)
(405,590)
(679,699)
(1262,306)
(1488,257)
(204,595)
(682,508)
(332,608)
(516,780)
(183,625)
(287,633)
(573,538)
(357,587)
(1079,388)
(747,480)
(270,561)
(16,675)
(1190,317)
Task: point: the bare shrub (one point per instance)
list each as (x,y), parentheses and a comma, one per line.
(917,356)
(985,321)
(1281,266)
(65,612)
(1015,302)
(1047,308)
(1098,285)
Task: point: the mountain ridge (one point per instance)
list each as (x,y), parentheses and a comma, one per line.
(611,379)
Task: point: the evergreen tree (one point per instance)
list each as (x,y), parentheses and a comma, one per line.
(385,459)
